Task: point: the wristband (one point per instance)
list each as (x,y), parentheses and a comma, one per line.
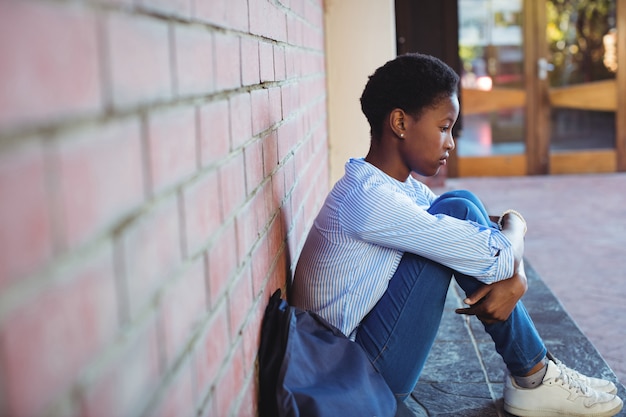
(516,213)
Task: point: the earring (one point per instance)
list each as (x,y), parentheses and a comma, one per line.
(402,135)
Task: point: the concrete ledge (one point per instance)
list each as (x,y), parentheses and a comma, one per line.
(463,376)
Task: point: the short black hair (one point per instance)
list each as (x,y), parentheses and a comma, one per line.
(411,82)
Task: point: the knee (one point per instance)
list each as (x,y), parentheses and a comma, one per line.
(458,207)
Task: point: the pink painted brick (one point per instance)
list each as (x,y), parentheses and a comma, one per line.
(130,380)
(237,15)
(194,61)
(276,105)
(47,341)
(172,146)
(253,165)
(183,307)
(180,8)
(230,385)
(213,11)
(250,71)
(247,233)
(251,333)
(270,153)
(261,261)
(232,184)
(266,61)
(238,301)
(228,62)
(100,178)
(212,350)
(280,71)
(139,60)
(222,262)
(214,131)
(178,398)
(151,250)
(202,211)
(25,223)
(260,111)
(40,80)
(240,119)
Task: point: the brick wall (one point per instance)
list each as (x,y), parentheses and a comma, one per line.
(160,164)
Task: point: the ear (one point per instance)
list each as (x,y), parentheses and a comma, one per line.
(397,119)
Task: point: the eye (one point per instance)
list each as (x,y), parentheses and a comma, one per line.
(444,129)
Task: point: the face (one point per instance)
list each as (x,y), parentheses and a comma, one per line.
(428,140)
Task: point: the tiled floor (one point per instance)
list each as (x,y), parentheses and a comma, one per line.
(576,242)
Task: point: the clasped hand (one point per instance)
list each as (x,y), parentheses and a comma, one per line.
(495,302)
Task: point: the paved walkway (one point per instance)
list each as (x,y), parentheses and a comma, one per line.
(463,376)
(576,242)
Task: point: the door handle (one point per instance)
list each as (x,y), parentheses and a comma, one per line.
(543,67)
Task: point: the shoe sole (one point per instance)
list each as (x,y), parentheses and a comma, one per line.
(547,413)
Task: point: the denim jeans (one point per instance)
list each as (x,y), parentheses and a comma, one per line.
(399,332)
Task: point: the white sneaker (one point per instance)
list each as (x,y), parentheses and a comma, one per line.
(558,395)
(594,383)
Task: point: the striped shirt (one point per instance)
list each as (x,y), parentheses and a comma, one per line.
(367,222)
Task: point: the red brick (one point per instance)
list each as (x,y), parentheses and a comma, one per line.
(212,349)
(240,119)
(251,333)
(25,223)
(231,383)
(172,146)
(249,406)
(267,20)
(181,8)
(222,263)
(100,177)
(237,15)
(232,184)
(250,71)
(266,59)
(253,165)
(178,398)
(260,111)
(247,233)
(40,80)
(151,249)
(276,106)
(213,11)
(48,340)
(139,60)
(261,261)
(184,306)
(228,65)
(239,300)
(194,61)
(214,131)
(128,383)
(270,153)
(202,211)
(279,63)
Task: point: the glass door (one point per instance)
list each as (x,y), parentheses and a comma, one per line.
(491,47)
(580,68)
(539,87)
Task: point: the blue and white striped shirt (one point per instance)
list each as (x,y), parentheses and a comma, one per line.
(366,224)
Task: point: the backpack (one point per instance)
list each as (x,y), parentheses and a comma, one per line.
(308,368)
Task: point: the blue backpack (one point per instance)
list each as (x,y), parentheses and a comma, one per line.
(308,368)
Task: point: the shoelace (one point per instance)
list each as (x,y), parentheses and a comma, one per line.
(567,379)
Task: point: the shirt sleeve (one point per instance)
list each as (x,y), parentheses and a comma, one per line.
(382,215)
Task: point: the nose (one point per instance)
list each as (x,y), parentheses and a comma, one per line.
(450,145)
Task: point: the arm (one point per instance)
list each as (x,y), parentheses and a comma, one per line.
(496,301)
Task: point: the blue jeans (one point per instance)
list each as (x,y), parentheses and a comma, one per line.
(399,332)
